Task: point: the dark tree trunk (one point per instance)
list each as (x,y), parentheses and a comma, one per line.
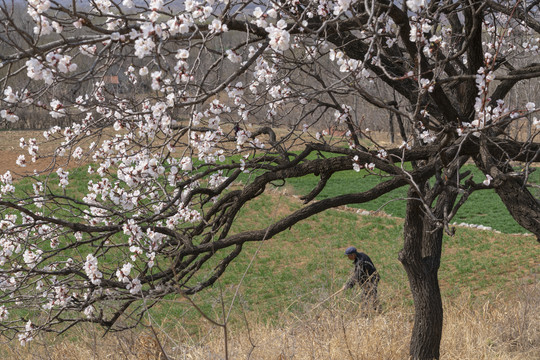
(421,257)
(391,127)
(401,127)
(399,121)
(428,317)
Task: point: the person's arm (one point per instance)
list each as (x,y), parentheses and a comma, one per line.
(352,279)
(350,283)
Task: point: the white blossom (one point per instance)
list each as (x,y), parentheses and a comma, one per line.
(427,137)
(10,96)
(9,116)
(4,313)
(91,270)
(32,257)
(28,335)
(89,311)
(123,273)
(416,5)
(39,6)
(279,36)
(356,165)
(233,56)
(405,145)
(57,109)
(217,26)
(536,123)
(134,286)
(37,71)
(21,161)
(63,177)
(143,47)
(78,24)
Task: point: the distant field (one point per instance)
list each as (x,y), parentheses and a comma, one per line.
(482,207)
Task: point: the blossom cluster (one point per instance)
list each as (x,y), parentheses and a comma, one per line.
(45,69)
(348,65)
(91,269)
(485,114)
(357,166)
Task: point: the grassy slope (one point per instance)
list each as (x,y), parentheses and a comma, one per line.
(305,264)
(294,271)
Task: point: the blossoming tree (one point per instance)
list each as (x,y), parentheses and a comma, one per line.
(219,99)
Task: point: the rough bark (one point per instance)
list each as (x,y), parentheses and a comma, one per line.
(422,272)
(391,127)
(428,316)
(421,258)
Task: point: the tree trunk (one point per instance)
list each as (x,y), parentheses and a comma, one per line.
(428,314)
(401,127)
(421,258)
(391,127)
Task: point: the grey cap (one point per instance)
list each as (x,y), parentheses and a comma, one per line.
(350,250)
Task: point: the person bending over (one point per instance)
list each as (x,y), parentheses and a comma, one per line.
(365,275)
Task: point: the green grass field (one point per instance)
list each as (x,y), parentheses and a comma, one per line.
(482,207)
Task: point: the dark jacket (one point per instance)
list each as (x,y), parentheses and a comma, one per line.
(364,271)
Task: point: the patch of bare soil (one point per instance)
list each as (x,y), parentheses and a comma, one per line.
(10,151)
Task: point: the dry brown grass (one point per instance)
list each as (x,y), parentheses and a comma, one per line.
(505,328)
